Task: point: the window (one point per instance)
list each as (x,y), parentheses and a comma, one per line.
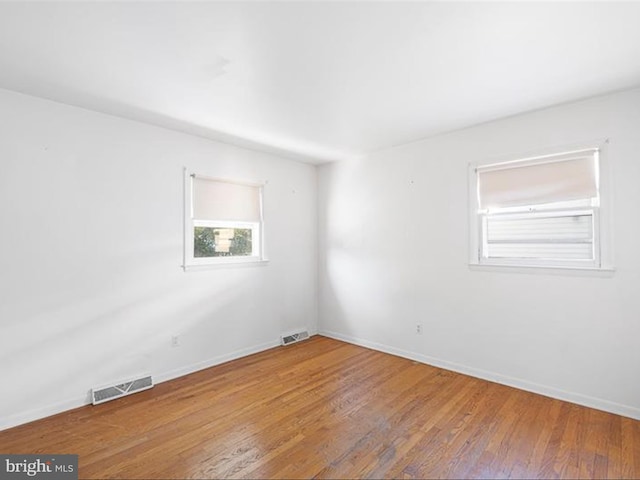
(223,221)
(541,211)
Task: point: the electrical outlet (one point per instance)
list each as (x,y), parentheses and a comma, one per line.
(175,341)
(419,328)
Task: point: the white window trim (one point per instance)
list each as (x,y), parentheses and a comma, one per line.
(189,261)
(601,214)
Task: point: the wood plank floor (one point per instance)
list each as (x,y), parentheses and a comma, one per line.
(324,408)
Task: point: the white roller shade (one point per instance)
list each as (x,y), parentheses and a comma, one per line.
(225,201)
(562,178)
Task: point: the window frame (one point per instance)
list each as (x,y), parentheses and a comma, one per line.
(599,209)
(190,223)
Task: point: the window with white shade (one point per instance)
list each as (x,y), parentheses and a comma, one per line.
(540,211)
(223,221)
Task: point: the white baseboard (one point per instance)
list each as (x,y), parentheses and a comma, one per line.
(577,398)
(42,412)
(212,362)
(59,407)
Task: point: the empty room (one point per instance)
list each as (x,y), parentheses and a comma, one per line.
(305,239)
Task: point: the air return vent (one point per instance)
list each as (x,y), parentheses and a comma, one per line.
(104,394)
(294,337)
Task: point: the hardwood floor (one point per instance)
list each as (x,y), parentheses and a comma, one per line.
(324,408)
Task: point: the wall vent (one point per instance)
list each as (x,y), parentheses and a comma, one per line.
(104,394)
(294,337)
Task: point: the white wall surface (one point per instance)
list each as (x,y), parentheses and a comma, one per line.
(393,245)
(91,252)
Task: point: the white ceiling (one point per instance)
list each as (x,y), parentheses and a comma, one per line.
(318,81)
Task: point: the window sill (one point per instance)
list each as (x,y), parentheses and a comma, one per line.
(604,272)
(227,264)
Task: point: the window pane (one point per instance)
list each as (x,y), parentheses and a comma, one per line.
(222,242)
(511,228)
(569,236)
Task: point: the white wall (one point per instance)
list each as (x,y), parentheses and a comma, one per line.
(91,248)
(394,251)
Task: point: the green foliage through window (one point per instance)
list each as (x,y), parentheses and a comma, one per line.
(222,242)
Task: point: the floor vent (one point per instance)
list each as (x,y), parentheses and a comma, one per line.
(294,337)
(104,394)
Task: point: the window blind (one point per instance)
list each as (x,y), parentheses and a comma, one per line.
(565,178)
(225,201)
(567,236)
